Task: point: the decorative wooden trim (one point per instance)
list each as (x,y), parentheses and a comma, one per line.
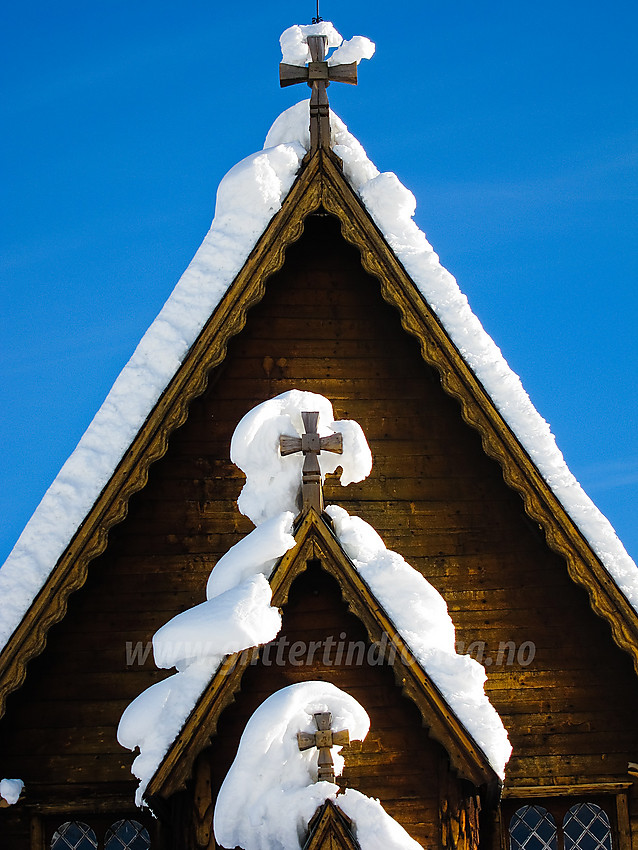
(330,829)
(320,182)
(315,542)
(478,409)
(587,788)
(151,442)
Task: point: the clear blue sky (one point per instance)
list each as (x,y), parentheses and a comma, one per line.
(514,124)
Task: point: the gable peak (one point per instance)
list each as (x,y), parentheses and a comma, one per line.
(312,66)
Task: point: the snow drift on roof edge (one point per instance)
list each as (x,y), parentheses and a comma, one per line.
(268,765)
(238,616)
(247,198)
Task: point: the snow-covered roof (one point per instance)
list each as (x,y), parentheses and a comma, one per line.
(238,614)
(247,199)
(269,764)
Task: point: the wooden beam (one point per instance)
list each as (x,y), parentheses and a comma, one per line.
(574,790)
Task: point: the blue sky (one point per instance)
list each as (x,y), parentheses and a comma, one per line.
(515,125)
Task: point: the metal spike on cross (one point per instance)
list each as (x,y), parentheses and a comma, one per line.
(318,74)
(311,444)
(324,739)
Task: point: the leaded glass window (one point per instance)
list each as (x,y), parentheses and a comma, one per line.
(532,828)
(74,835)
(127,835)
(586,827)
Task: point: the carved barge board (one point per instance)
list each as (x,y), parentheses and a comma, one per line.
(433,495)
(320,183)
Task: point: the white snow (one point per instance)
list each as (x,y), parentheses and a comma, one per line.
(420,615)
(295,50)
(247,198)
(270,792)
(250,194)
(264,546)
(10,790)
(153,720)
(236,616)
(236,619)
(357,48)
(374,829)
(272,481)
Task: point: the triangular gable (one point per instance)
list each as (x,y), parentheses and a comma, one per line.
(316,542)
(151,441)
(330,829)
(320,184)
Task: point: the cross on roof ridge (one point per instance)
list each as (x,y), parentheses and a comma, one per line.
(324,739)
(311,444)
(318,74)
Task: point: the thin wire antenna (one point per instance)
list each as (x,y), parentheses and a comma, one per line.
(317,19)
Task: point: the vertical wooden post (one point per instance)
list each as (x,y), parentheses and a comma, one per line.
(36,829)
(623,822)
(319,108)
(459,809)
(203,805)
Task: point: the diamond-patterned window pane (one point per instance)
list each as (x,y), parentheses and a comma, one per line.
(127,835)
(532,828)
(586,827)
(74,835)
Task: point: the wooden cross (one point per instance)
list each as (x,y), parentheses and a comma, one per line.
(318,74)
(324,739)
(311,444)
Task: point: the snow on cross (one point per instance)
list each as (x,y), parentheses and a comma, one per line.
(324,739)
(270,795)
(311,445)
(320,71)
(238,614)
(318,75)
(272,476)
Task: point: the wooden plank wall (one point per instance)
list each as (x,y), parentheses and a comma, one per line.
(432,495)
(397,762)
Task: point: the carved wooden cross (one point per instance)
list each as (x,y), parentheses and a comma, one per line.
(318,74)
(311,444)
(323,740)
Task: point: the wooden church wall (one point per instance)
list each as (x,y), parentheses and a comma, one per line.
(432,495)
(397,762)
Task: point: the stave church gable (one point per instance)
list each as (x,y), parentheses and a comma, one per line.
(336,294)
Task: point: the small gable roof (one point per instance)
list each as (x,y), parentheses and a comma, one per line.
(316,542)
(330,829)
(261,207)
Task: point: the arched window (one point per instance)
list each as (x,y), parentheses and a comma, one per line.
(532,828)
(74,835)
(127,835)
(586,827)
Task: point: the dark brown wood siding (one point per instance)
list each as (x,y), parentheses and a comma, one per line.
(397,762)
(434,497)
